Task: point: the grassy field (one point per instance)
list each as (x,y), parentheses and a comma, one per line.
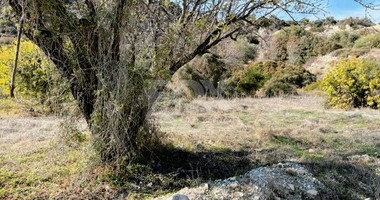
(291,128)
(47,157)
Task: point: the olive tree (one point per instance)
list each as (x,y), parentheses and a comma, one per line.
(110,51)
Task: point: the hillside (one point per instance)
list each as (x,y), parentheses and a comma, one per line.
(312,45)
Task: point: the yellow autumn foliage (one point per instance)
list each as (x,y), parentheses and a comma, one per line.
(353,82)
(32,74)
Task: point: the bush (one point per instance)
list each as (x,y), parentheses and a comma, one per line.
(284,40)
(37,81)
(353,82)
(368,41)
(277,88)
(276,78)
(286,81)
(306,47)
(249,80)
(296,76)
(296,45)
(270,67)
(355,23)
(31,73)
(344,38)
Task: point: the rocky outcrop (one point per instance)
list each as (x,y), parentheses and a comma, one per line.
(281,181)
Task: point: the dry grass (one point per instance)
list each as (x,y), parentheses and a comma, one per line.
(220,137)
(37,163)
(276,129)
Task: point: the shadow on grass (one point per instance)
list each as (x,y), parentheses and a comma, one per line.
(206,165)
(345,180)
(167,168)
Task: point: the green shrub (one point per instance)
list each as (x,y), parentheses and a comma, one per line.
(286,81)
(355,22)
(276,87)
(353,82)
(344,38)
(296,76)
(249,80)
(339,40)
(269,67)
(306,47)
(246,48)
(276,78)
(285,38)
(296,45)
(368,41)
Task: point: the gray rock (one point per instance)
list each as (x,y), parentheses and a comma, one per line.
(312,192)
(282,181)
(180,197)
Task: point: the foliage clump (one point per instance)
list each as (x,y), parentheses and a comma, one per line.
(37,82)
(368,41)
(248,81)
(295,45)
(270,78)
(7,21)
(355,23)
(341,39)
(353,82)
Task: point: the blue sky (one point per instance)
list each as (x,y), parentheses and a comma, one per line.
(341,9)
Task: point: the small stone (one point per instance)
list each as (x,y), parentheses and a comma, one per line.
(206,186)
(291,186)
(312,192)
(233,185)
(149,185)
(180,197)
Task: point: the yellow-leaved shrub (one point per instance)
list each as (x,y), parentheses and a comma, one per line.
(37,79)
(32,73)
(353,82)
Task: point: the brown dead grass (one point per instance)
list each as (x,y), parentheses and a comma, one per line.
(297,128)
(211,138)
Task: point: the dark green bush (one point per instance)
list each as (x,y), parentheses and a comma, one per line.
(249,81)
(296,76)
(306,47)
(277,88)
(286,81)
(339,40)
(275,78)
